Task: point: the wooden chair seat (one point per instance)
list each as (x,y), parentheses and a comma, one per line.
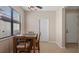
(23,45)
(20,46)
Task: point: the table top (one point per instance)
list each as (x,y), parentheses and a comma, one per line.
(26,35)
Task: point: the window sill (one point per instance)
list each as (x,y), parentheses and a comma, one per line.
(5,38)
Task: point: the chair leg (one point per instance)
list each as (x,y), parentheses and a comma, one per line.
(30,46)
(38,48)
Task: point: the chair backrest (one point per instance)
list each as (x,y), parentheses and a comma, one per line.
(38,36)
(20,38)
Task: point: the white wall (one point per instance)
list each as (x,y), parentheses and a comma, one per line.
(32,24)
(60,27)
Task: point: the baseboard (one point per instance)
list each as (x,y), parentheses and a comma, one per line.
(48,41)
(44,41)
(71,43)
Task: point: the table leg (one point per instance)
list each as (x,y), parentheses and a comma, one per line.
(34,44)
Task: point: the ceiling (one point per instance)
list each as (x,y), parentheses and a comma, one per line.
(44,8)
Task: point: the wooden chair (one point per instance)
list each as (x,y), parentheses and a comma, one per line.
(38,43)
(37,48)
(22,44)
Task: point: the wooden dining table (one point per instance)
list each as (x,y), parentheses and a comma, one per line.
(27,36)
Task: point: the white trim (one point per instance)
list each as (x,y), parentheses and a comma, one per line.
(5,38)
(51,41)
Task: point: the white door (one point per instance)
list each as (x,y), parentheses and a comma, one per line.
(71,27)
(44,26)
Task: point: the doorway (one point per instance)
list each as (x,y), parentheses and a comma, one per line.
(44,29)
(72,17)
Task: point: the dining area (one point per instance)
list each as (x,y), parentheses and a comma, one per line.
(26,43)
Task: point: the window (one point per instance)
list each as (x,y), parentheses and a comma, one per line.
(16,22)
(5,21)
(9,21)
